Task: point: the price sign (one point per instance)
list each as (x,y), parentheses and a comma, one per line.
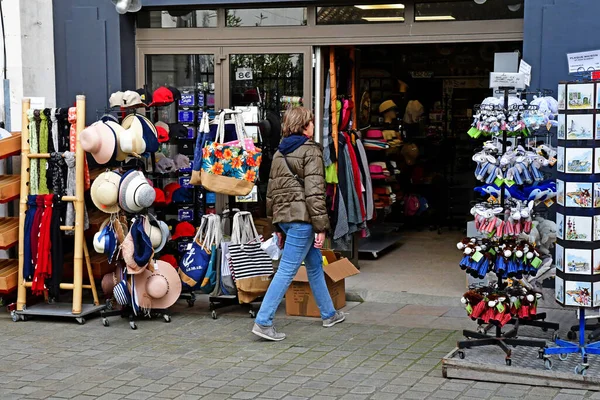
(243,74)
(507,79)
(525,69)
(584,61)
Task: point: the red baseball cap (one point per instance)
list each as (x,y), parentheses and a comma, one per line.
(160,200)
(162,97)
(170,258)
(162,133)
(184,229)
(169,190)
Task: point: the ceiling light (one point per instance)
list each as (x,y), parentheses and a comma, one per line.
(384,19)
(480,1)
(382,7)
(435,18)
(514,7)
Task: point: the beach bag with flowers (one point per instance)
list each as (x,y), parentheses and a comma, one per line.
(230,168)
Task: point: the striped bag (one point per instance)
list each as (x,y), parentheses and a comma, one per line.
(252,266)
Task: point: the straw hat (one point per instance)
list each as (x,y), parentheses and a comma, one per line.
(135,194)
(131,140)
(148,130)
(118,130)
(100,141)
(158,231)
(109,281)
(105,192)
(159,289)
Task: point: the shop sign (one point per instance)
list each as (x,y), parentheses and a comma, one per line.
(243,74)
(507,79)
(584,61)
(185,214)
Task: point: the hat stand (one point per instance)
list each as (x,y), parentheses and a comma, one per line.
(481,338)
(76,309)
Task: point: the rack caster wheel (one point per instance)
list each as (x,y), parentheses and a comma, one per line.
(80,320)
(581,369)
(461,354)
(167,318)
(541,354)
(132,325)
(109,304)
(508,362)
(555,336)
(105,322)
(563,357)
(213,314)
(252,314)
(571,335)
(481,329)
(14,316)
(191,302)
(548,364)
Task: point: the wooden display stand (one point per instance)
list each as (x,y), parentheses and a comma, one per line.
(75,309)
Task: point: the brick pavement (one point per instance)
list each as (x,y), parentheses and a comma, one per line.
(196,357)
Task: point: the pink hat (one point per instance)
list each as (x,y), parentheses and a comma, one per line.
(374,134)
(376,171)
(159,289)
(100,141)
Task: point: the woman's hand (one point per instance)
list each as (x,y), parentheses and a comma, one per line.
(319,240)
(280,240)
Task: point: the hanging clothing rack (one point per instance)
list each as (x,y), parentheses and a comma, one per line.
(76,309)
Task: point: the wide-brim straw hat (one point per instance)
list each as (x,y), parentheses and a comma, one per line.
(131,140)
(100,141)
(105,192)
(159,289)
(148,130)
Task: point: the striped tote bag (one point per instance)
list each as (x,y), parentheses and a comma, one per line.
(252,266)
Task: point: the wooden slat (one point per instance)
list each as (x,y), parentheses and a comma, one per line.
(9,232)
(10,146)
(39,155)
(9,271)
(10,187)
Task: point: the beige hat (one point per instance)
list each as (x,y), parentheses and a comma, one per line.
(132,138)
(132,99)
(159,289)
(116,99)
(105,192)
(118,130)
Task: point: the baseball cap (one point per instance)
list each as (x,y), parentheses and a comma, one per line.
(162,96)
(169,190)
(160,200)
(176,93)
(163,134)
(132,99)
(184,229)
(145,95)
(170,258)
(116,99)
(178,131)
(182,195)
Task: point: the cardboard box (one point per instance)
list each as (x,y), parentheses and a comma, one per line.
(299,299)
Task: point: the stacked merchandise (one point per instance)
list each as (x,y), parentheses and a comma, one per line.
(514,186)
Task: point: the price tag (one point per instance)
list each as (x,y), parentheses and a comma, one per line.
(536,262)
(507,79)
(477,256)
(469,309)
(509,182)
(243,74)
(185,214)
(549,202)
(552,161)
(184,181)
(498,182)
(500,307)
(185,116)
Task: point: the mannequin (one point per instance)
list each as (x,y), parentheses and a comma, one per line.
(391,132)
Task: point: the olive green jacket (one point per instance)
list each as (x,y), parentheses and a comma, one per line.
(299,198)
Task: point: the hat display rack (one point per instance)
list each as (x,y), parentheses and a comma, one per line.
(504,255)
(577,283)
(38,279)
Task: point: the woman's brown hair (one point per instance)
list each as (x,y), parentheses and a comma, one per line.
(295,120)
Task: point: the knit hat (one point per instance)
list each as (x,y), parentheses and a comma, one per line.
(165,165)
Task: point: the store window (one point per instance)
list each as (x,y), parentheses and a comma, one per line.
(179,70)
(176,18)
(468,10)
(361,14)
(268,81)
(266,17)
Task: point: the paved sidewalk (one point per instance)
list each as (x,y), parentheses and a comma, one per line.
(368,357)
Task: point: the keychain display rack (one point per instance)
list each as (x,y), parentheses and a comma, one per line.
(578,214)
(503,340)
(77,309)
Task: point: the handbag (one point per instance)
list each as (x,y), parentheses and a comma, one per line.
(194,262)
(252,266)
(230,169)
(210,278)
(203,129)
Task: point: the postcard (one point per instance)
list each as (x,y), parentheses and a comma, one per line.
(560,258)
(560,159)
(578,261)
(578,294)
(560,192)
(596,195)
(577,194)
(578,228)
(597,160)
(596,268)
(559,289)
(560,225)
(580,127)
(562,129)
(562,96)
(596,294)
(579,160)
(580,96)
(596,227)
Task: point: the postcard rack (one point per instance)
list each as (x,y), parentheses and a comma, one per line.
(76,309)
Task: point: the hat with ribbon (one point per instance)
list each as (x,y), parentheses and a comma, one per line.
(159,289)
(135,193)
(118,130)
(100,141)
(105,192)
(137,248)
(148,131)
(105,240)
(158,232)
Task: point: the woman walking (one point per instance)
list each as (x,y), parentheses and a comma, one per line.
(296,201)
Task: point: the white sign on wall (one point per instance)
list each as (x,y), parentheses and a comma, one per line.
(584,61)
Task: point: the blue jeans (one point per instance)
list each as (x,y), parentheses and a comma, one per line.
(299,246)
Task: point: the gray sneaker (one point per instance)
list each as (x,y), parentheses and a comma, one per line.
(268,332)
(336,319)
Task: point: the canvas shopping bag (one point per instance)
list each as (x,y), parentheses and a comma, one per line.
(210,279)
(194,262)
(230,169)
(203,129)
(252,267)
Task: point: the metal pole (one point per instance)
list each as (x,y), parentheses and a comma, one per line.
(318,95)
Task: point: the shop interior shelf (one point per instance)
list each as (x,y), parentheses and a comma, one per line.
(10,186)
(10,146)
(9,271)
(9,232)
